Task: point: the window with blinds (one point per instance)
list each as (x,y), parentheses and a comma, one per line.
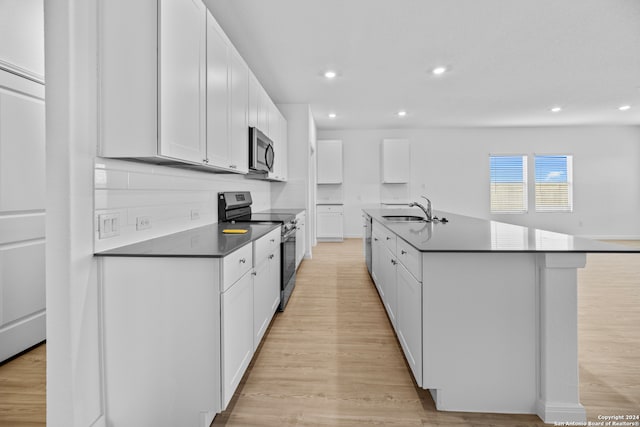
(554,183)
(508,184)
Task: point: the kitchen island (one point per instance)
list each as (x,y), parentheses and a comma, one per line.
(485,312)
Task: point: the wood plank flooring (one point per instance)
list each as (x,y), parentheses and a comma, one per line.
(332,359)
(23,390)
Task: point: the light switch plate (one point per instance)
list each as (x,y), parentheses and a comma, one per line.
(108,225)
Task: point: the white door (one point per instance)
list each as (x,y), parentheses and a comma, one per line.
(329,158)
(182,91)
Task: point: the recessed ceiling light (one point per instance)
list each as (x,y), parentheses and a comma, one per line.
(556,109)
(330,74)
(624,107)
(402,113)
(332,115)
(439,71)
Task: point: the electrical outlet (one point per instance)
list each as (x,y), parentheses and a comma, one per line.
(195,214)
(108,225)
(143,222)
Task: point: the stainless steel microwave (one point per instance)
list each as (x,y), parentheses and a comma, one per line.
(261,153)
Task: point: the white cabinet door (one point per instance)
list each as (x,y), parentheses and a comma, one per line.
(266,294)
(300,237)
(263,110)
(377,249)
(409,319)
(236,334)
(217,96)
(329,223)
(329,158)
(395,157)
(182,79)
(254,95)
(238,108)
(388,283)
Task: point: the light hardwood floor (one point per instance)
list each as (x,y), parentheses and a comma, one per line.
(332,359)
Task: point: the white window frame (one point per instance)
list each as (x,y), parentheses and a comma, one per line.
(525,186)
(569,167)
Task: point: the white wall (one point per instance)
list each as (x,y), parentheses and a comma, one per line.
(295,192)
(451,167)
(166,195)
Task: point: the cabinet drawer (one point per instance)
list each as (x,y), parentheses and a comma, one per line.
(330,209)
(266,245)
(387,237)
(411,258)
(235,265)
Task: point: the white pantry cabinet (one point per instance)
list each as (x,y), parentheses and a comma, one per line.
(329,161)
(395,158)
(330,223)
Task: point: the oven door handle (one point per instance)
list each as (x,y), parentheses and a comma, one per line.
(288,234)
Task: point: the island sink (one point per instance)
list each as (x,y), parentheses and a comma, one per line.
(410,218)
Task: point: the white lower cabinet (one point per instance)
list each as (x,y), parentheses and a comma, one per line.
(266,283)
(400,291)
(301,237)
(180,332)
(236,334)
(160,340)
(330,224)
(388,279)
(409,319)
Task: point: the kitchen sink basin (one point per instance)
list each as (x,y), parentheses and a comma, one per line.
(404,218)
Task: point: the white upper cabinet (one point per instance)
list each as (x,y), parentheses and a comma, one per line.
(329,157)
(238,107)
(217,95)
(395,155)
(22,35)
(254,87)
(178,92)
(182,80)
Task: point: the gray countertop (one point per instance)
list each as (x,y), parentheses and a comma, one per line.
(201,242)
(468,234)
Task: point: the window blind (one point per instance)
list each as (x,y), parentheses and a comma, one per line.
(554,183)
(508,184)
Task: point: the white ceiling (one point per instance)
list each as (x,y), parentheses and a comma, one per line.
(511,60)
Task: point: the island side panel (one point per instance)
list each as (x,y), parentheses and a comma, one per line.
(480,331)
(559,379)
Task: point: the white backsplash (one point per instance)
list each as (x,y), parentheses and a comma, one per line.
(169,197)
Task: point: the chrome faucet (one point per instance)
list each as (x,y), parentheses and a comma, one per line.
(427,210)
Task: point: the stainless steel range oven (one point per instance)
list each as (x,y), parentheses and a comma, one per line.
(235,206)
